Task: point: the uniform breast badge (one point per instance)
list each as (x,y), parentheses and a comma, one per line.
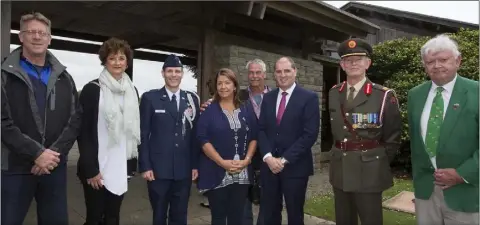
(365,120)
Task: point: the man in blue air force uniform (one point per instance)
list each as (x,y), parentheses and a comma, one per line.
(168,153)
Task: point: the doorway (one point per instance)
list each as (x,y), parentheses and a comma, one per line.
(331,77)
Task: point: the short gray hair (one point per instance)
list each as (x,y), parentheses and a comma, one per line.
(259,62)
(35,16)
(441,42)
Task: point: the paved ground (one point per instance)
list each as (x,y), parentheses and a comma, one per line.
(136,207)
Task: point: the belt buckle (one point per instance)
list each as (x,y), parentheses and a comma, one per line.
(344,145)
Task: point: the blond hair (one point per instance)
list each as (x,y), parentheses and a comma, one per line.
(35,16)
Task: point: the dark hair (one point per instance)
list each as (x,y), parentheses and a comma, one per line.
(113,46)
(231,76)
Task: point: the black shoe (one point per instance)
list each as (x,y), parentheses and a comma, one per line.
(204,205)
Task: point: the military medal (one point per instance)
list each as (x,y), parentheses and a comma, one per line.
(354,124)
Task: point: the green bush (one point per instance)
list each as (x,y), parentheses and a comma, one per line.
(397,64)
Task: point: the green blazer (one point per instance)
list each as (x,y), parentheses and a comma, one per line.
(457,146)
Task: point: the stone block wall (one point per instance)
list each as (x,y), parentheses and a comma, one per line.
(309,74)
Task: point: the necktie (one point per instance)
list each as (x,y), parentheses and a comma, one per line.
(173,102)
(281,107)
(434,123)
(350,95)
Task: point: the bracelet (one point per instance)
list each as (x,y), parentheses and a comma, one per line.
(248,159)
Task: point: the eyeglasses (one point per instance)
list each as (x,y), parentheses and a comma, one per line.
(32,33)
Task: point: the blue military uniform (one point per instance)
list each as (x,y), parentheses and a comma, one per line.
(169,148)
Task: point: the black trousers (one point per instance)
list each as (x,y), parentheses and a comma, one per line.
(351,205)
(227,204)
(103,207)
(49,191)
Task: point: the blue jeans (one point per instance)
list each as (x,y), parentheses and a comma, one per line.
(248,214)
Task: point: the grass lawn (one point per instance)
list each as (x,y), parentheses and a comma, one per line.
(322,206)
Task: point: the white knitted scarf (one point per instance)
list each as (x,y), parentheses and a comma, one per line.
(116,114)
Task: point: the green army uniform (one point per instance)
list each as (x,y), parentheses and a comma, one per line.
(366,133)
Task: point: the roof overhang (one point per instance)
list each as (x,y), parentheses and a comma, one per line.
(326,15)
(408,15)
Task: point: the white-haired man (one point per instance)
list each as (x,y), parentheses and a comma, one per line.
(443,119)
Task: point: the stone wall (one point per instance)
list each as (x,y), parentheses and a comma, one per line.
(309,74)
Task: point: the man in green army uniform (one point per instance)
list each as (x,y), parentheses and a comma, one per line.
(366,128)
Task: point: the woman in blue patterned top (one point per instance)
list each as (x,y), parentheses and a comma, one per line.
(227,133)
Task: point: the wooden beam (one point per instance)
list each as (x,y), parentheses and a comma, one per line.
(93,49)
(263,26)
(5,29)
(258,10)
(93,16)
(145,40)
(316,18)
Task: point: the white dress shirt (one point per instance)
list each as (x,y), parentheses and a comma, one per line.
(279,99)
(446,94)
(357,87)
(177,95)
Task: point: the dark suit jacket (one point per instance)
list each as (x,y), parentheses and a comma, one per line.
(164,149)
(296,134)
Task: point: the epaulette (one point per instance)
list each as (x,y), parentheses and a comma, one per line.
(380,87)
(339,85)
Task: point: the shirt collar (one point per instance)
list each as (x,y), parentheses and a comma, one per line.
(265,89)
(448,87)
(289,90)
(171,93)
(358,85)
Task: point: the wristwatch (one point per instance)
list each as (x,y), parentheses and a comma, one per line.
(283,160)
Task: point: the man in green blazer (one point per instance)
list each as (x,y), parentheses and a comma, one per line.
(443,126)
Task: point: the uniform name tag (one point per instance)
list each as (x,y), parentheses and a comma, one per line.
(159,110)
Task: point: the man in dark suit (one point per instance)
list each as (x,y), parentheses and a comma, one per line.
(366,126)
(169,150)
(288,127)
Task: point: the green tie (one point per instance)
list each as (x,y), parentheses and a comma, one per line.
(434,123)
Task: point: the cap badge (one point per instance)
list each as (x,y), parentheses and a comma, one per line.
(352,44)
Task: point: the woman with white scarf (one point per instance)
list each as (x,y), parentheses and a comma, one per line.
(110,134)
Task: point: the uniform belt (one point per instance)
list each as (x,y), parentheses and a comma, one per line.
(357,145)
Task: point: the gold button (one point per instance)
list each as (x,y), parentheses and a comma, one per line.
(344,154)
(377,157)
(346,114)
(344,127)
(331,118)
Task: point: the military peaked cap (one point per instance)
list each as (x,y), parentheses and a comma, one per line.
(354,46)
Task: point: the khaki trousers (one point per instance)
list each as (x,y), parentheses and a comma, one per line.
(435,211)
